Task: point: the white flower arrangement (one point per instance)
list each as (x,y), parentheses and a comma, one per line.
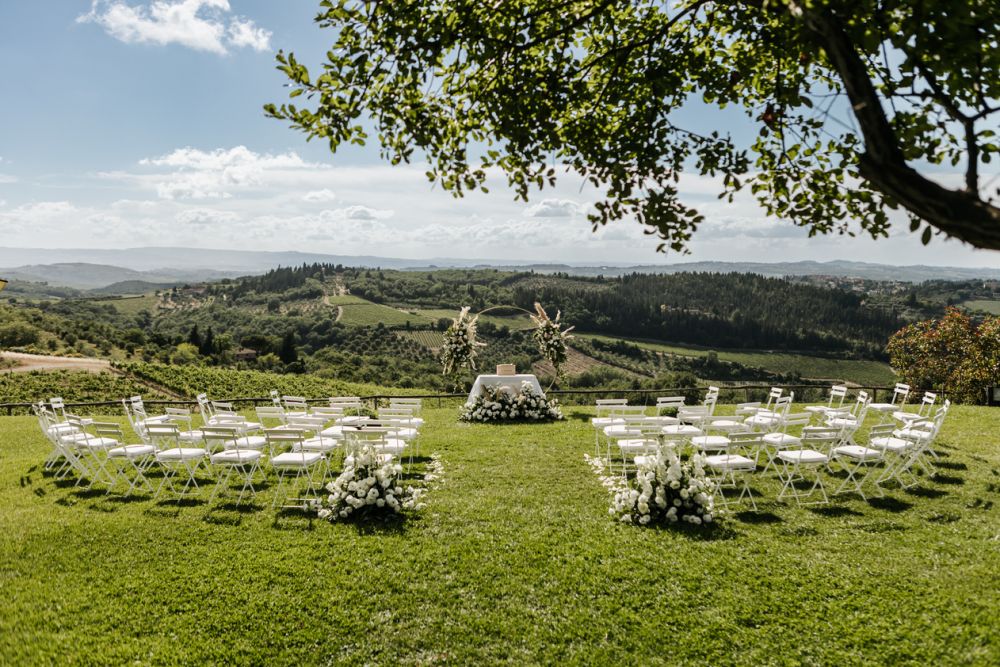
(550,336)
(665,490)
(370,487)
(459,347)
(496,404)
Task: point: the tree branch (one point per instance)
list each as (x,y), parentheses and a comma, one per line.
(961,214)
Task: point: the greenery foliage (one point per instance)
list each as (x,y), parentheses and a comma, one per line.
(953,354)
(598,86)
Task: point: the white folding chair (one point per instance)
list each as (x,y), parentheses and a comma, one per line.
(297,463)
(130,460)
(176,458)
(770,418)
(885,410)
(93,449)
(735,465)
(858,461)
(811,454)
(775,441)
(923,410)
(235,457)
(838,393)
(270,414)
(351,406)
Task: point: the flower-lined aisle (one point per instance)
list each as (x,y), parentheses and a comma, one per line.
(664,490)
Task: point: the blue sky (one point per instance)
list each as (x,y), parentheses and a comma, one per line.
(130,123)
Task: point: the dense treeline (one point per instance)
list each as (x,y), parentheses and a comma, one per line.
(719,310)
(741,311)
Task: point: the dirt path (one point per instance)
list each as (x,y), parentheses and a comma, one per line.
(41,362)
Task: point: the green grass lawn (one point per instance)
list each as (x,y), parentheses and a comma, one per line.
(991,307)
(851,370)
(514,560)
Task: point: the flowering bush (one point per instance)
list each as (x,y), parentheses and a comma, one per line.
(496,404)
(459,347)
(550,336)
(665,490)
(953,353)
(368,487)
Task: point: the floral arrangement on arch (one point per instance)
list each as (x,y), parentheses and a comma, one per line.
(550,336)
(459,347)
(369,487)
(665,490)
(495,404)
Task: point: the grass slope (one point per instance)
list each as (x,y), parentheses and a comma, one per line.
(851,370)
(514,560)
(991,307)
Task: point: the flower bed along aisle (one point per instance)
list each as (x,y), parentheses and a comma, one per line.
(495,404)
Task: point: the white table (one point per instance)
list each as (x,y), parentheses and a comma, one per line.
(510,383)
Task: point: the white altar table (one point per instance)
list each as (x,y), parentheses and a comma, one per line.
(511,383)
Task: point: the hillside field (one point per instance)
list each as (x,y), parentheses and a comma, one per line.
(859,372)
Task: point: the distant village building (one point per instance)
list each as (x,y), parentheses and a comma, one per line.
(245,354)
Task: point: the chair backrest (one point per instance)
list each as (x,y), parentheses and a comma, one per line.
(396,413)
(783,404)
(860,403)
(327,412)
(415,403)
(773,396)
(205,407)
(58,407)
(275,398)
(711,395)
(109,430)
(820,438)
(345,401)
(295,402)
(927,402)
(797,419)
(306,423)
(273,412)
(740,441)
(605,407)
(900,393)
(165,435)
(666,402)
(838,393)
(284,437)
(223,437)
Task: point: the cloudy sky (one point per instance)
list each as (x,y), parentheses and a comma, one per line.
(132,123)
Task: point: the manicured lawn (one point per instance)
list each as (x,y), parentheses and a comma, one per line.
(515,560)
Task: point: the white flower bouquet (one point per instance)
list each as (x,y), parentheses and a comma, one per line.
(496,404)
(369,487)
(665,490)
(550,336)
(459,347)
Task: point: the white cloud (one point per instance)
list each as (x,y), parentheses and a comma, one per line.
(360,213)
(323,195)
(555,208)
(7,178)
(206,217)
(190,173)
(202,25)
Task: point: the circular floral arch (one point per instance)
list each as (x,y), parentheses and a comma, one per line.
(460,345)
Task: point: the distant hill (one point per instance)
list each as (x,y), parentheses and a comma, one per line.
(98,268)
(86,276)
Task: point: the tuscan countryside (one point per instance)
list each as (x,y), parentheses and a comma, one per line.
(533,332)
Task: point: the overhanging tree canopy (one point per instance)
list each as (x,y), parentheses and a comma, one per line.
(856,102)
